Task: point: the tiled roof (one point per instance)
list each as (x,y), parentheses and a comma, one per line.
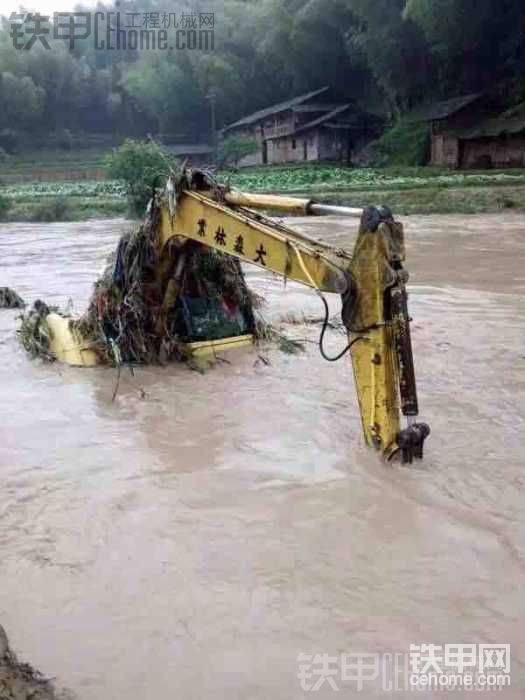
(274,109)
(442,110)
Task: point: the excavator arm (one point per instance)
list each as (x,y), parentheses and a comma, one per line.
(371,283)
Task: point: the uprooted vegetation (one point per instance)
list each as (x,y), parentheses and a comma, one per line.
(9,299)
(146,307)
(130,318)
(34,333)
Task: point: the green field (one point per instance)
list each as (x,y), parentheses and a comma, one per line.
(320,178)
(406,190)
(29,191)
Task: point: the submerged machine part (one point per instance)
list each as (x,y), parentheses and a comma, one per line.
(9,299)
(195,215)
(411,440)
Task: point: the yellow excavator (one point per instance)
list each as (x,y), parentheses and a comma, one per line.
(371,282)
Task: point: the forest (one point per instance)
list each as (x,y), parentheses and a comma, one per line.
(388,56)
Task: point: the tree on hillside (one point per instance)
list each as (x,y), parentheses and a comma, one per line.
(21,100)
(396,50)
(387,54)
(317,48)
(166,90)
(475,42)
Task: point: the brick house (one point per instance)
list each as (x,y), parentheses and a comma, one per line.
(470,132)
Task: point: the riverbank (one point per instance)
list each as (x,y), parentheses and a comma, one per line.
(67,208)
(19,681)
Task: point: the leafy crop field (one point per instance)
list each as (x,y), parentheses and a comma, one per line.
(408,190)
(82,188)
(297,179)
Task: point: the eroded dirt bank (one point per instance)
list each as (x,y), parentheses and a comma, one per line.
(19,681)
(193,537)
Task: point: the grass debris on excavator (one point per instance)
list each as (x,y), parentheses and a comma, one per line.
(128,319)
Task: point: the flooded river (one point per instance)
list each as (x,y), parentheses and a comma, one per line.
(192,538)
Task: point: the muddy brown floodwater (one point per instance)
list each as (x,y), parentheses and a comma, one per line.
(192,538)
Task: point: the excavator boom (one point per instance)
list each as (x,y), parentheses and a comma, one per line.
(371,282)
(257,240)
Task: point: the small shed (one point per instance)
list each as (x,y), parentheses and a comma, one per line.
(194,153)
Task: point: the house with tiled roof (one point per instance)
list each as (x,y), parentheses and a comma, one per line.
(308,127)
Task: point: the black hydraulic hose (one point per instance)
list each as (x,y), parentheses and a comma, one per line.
(323,331)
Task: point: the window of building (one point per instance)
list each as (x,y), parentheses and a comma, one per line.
(294,144)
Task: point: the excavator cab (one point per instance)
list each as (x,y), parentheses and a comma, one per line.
(195,210)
